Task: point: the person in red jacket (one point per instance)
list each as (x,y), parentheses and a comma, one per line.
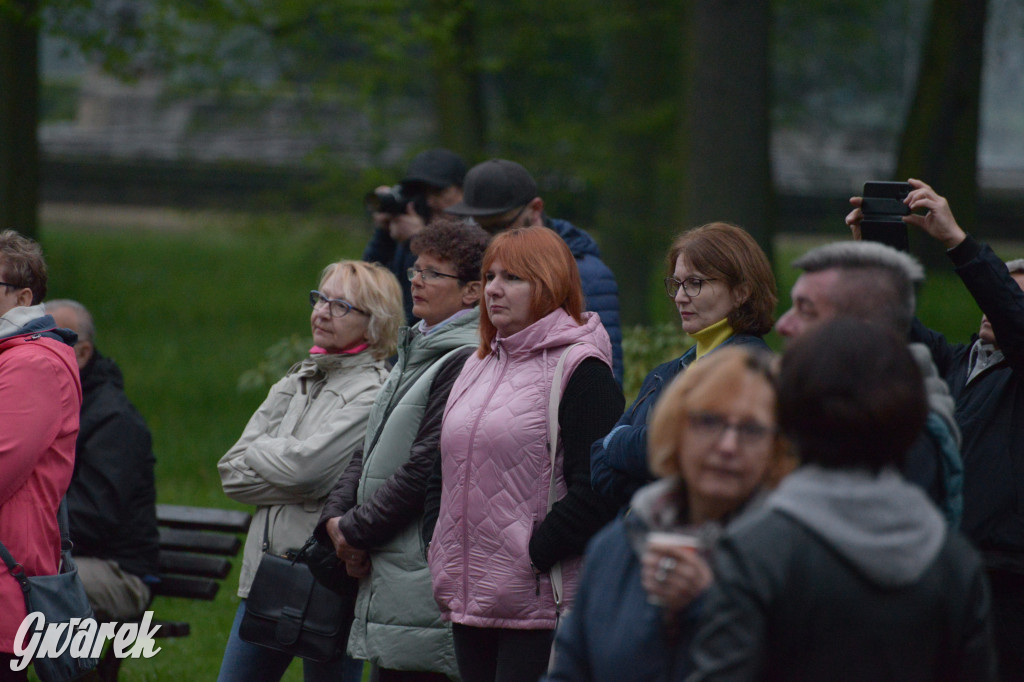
(40,397)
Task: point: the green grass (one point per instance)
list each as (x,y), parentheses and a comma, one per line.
(186,303)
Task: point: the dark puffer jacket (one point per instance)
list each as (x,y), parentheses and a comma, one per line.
(599,286)
(112,496)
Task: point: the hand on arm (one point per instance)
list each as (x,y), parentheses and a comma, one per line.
(357,561)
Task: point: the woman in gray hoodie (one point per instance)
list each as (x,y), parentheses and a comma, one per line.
(847,572)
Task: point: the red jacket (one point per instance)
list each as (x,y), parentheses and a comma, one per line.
(40,398)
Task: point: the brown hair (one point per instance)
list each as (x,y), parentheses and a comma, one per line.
(22,264)
(539,256)
(376,290)
(704,385)
(458,241)
(728,253)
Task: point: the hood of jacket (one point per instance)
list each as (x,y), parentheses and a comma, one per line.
(886,528)
(580,243)
(557,329)
(33,320)
(940,401)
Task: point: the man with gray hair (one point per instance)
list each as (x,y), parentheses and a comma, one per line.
(875,283)
(984,377)
(112,495)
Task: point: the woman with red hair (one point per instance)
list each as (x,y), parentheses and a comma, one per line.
(513,520)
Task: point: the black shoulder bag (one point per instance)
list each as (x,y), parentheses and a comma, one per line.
(289,610)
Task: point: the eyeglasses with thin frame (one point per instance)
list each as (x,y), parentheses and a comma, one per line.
(428,274)
(13,286)
(691,286)
(339,307)
(712,426)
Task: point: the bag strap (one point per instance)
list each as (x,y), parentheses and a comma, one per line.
(554,398)
(17,571)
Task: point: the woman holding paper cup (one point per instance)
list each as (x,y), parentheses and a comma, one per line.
(713,442)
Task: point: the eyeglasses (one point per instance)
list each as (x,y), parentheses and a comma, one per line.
(338,306)
(691,286)
(13,286)
(428,275)
(712,426)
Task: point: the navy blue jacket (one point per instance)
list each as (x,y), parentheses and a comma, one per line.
(618,462)
(989,410)
(612,633)
(599,286)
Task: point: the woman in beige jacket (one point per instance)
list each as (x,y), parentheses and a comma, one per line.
(301,438)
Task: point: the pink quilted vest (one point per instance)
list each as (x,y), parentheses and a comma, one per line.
(496,473)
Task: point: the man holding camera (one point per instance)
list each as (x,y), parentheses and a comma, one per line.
(984,377)
(432,184)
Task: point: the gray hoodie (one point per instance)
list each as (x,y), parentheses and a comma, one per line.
(886,528)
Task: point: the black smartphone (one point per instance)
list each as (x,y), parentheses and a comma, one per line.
(883,210)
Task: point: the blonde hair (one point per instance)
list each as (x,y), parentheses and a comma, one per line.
(375,289)
(704,385)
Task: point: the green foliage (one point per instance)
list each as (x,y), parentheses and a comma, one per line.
(646,347)
(277,360)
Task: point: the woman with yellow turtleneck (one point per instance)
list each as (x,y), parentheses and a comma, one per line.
(724,290)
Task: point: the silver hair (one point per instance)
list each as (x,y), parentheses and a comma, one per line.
(1015,266)
(87,329)
(878,281)
(861,254)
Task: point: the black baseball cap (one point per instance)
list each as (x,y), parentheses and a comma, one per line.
(495,187)
(438,168)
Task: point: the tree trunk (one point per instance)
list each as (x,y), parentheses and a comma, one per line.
(726,120)
(940,140)
(644,170)
(458,96)
(19,116)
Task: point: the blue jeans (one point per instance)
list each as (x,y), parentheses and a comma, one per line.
(245,662)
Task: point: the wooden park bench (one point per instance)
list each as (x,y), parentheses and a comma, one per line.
(196,547)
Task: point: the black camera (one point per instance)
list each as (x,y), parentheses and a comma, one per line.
(393,200)
(883,210)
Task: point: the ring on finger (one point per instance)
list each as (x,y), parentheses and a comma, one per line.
(665,566)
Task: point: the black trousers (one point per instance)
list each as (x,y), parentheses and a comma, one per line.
(500,654)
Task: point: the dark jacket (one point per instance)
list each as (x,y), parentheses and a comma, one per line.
(990,409)
(613,633)
(599,286)
(845,575)
(112,496)
(618,462)
(396,257)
